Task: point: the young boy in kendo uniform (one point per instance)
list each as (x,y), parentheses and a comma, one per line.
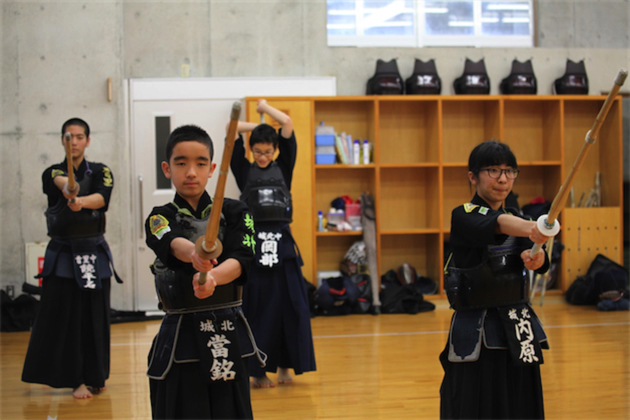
(196,368)
(70,341)
(274,299)
(493,354)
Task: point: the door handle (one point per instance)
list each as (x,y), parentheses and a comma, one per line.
(140,185)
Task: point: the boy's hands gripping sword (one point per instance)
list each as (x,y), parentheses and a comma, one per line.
(547,223)
(208,246)
(72,187)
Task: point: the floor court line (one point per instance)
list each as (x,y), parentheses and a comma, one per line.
(316,337)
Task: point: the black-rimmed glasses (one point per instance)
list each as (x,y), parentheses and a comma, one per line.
(495,173)
(267,154)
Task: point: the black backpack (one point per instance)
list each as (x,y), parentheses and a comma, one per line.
(521,80)
(18,314)
(397,298)
(336,296)
(474,81)
(603,275)
(424,80)
(363,304)
(386,79)
(574,81)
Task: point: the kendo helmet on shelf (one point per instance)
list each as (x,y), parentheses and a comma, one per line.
(474,81)
(386,80)
(424,80)
(521,80)
(574,81)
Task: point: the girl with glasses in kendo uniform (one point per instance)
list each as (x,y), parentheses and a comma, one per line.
(493,354)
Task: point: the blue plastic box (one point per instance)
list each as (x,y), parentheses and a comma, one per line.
(325,159)
(325,150)
(324,139)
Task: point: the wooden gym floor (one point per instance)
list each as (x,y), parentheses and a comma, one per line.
(368,367)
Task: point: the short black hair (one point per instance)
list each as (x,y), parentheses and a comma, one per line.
(76,121)
(188,133)
(264,133)
(490,153)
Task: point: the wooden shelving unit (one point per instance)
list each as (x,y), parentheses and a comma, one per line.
(418,174)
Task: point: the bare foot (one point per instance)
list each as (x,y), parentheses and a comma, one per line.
(284,377)
(81,392)
(262,382)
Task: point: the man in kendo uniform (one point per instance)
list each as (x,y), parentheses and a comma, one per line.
(70,342)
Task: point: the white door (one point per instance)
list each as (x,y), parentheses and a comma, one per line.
(156,107)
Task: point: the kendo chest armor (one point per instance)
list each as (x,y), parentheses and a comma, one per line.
(267,196)
(500,280)
(174,288)
(63,223)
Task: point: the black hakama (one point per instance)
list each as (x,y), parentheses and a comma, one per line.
(493,387)
(185,389)
(276,305)
(184,394)
(70,341)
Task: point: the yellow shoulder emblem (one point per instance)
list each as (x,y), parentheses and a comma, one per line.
(159,226)
(468,207)
(57,172)
(107,177)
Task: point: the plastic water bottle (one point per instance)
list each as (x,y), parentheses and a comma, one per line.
(356,152)
(320,221)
